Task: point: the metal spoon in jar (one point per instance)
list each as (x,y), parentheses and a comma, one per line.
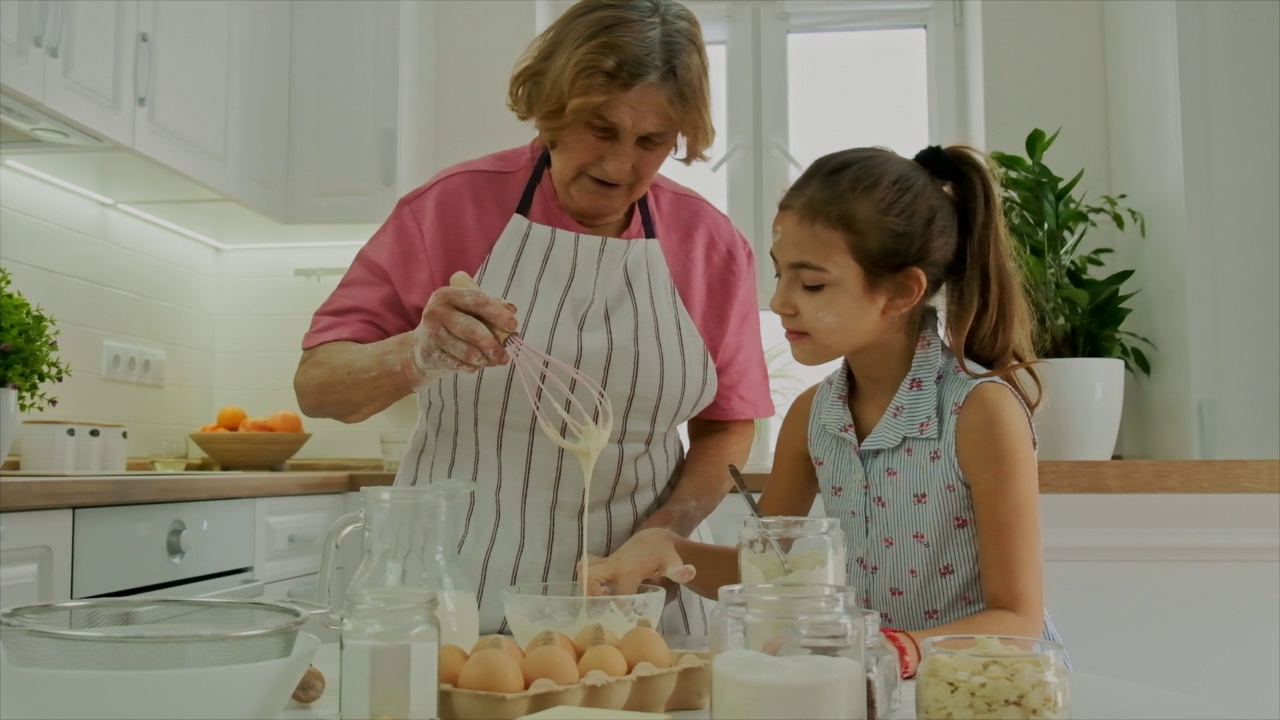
(741,484)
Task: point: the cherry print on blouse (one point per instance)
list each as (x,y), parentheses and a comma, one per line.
(879,502)
(876,453)
(891,472)
(873,569)
(920,538)
(924,426)
(921,498)
(946,570)
(860,562)
(888,542)
(896,592)
(913,572)
(907,450)
(915,384)
(949,487)
(924,342)
(865,487)
(886,619)
(937,378)
(896,411)
(955,408)
(957,370)
(837,491)
(847,428)
(932,614)
(817,462)
(966,599)
(961,523)
(841,397)
(935,455)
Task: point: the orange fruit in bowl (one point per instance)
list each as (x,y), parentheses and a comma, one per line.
(255,424)
(231,417)
(211,427)
(285,421)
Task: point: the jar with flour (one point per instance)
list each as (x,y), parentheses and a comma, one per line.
(791,551)
(791,654)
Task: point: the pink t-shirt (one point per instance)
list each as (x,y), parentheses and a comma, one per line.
(453,221)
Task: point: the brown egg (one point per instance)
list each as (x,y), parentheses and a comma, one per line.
(604,658)
(551,662)
(452,658)
(499,642)
(552,637)
(590,635)
(642,644)
(491,670)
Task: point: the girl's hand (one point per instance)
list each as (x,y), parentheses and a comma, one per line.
(647,555)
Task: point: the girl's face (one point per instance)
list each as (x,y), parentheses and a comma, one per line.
(827,307)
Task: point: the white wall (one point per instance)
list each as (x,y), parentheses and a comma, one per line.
(105,275)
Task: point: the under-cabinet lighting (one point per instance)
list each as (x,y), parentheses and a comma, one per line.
(170,226)
(60,182)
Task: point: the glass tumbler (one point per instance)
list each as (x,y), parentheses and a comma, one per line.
(977,676)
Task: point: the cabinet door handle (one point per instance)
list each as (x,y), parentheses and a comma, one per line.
(303,538)
(142,84)
(42,25)
(55,27)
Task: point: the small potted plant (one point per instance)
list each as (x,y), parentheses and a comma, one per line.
(1079,317)
(28,360)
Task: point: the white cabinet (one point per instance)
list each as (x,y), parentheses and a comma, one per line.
(304,589)
(343,111)
(212,94)
(35,556)
(289,534)
(74,56)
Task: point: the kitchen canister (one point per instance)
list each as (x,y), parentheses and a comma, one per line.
(88,447)
(49,446)
(115,448)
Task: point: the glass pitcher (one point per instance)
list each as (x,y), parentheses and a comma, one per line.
(410,541)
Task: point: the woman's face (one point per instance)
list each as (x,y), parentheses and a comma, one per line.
(823,298)
(603,165)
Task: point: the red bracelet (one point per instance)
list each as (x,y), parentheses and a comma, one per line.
(908,666)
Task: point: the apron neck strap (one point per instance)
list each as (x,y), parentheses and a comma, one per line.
(535,177)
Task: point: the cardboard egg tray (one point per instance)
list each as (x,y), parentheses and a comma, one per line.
(686,685)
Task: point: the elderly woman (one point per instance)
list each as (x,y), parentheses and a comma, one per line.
(636,281)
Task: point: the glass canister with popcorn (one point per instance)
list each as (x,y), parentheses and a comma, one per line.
(986,676)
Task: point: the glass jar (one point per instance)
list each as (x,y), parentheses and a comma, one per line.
(791,551)
(793,651)
(389,654)
(968,676)
(884,675)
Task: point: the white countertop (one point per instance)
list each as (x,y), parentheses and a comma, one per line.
(1093,698)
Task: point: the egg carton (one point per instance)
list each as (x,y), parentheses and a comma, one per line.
(686,685)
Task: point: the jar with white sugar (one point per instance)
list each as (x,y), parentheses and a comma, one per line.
(791,551)
(791,655)
(976,676)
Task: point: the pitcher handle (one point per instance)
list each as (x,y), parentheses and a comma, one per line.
(324,589)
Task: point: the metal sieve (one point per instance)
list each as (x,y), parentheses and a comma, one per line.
(148,633)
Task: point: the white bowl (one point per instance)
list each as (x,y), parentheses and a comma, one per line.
(228,692)
(534,607)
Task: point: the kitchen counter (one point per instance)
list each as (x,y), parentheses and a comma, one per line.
(1137,477)
(1093,696)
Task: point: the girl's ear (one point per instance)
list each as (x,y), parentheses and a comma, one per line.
(906,290)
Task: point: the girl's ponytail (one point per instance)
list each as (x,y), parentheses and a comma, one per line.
(988,317)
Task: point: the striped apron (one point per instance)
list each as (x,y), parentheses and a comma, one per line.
(609,308)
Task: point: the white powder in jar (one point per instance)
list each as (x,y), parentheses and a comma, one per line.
(749,685)
(808,567)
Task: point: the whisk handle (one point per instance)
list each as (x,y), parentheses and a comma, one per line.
(462,280)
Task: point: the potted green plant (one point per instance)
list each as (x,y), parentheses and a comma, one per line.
(28,360)
(1079,316)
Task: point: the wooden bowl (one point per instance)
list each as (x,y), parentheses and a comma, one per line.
(250,450)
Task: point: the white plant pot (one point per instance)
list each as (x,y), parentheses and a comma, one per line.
(8,420)
(1079,417)
(762,445)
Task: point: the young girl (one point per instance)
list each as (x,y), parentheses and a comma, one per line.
(921,443)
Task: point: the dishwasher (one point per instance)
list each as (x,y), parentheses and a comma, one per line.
(187,549)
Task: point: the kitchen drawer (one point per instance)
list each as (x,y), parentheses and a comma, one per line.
(35,557)
(133,547)
(290,534)
(301,588)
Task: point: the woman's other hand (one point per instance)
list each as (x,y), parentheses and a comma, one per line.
(456,333)
(649,554)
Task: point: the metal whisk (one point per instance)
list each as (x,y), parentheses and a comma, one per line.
(555,389)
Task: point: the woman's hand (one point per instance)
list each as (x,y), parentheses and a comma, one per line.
(648,554)
(456,334)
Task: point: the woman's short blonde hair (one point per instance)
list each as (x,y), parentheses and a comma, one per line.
(599,48)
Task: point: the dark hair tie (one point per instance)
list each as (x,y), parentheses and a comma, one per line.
(938,163)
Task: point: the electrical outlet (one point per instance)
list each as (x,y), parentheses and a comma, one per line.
(133,363)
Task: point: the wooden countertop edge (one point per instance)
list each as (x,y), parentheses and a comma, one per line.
(1142,477)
